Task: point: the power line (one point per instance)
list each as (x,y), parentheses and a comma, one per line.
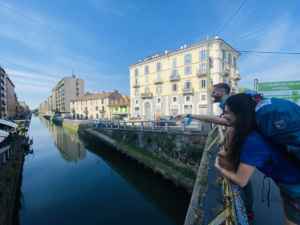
(232,16)
(269,52)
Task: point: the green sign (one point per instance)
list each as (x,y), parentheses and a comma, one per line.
(279,86)
(283,89)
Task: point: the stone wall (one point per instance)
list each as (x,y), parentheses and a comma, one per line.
(174,155)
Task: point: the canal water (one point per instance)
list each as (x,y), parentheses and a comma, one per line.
(68,182)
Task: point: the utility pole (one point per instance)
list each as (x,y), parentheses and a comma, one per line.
(256,84)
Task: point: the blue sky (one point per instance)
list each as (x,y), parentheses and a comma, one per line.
(42,41)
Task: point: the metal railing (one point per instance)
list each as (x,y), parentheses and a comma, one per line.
(156,126)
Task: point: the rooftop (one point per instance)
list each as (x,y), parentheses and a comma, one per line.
(181,49)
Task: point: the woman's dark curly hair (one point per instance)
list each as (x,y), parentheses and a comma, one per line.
(243,108)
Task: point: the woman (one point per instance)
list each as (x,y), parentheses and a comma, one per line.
(246,150)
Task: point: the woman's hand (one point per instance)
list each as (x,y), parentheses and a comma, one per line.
(218,164)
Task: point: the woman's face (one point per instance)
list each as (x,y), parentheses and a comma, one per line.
(228,115)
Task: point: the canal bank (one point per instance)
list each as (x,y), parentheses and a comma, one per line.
(173,154)
(71,181)
(10,180)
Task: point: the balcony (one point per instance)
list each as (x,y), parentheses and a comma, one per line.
(188,91)
(236,77)
(226,68)
(136,85)
(147,95)
(174,76)
(158,80)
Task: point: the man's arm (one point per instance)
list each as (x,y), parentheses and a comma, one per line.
(211,119)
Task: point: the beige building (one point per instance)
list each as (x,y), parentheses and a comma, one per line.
(66,89)
(178,82)
(103,105)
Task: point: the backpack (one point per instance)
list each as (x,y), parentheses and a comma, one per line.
(279,121)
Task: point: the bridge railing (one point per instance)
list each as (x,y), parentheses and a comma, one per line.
(151,126)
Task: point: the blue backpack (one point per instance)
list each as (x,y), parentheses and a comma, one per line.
(279,121)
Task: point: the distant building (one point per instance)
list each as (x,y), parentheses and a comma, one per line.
(22,109)
(3,107)
(8,97)
(66,89)
(11,99)
(103,105)
(178,82)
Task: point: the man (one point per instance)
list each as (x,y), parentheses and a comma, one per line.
(220,93)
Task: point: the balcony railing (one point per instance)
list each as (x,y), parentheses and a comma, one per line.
(236,76)
(158,80)
(188,90)
(136,85)
(174,76)
(147,95)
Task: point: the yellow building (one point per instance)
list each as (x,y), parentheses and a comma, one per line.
(177,82)
(104,105)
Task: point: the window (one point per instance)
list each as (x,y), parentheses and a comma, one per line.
(203,97)
(174,87)
(187,85)
(158,100)
(203,55)
(223,55)
(136,72)
(234,62)
(147,90)
(203,68)
(96,108)
(137,91)
(229,59)
(203,83)
(187,59)
(136,102)
(174,99)
(146,70)
(158,89)
(158,67)
(187,98)
(187,70)
(174,63)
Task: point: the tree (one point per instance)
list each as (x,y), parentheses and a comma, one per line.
(295,96)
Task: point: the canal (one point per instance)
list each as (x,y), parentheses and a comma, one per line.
(68,182)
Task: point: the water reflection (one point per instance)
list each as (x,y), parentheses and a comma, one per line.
(103,187)
(68,144)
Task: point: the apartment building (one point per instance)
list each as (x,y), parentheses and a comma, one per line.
(103,105)
(180,81)
(11,99)
(3,107)
(66,89)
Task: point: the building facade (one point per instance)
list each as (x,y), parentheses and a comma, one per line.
(66,89)
(180,81)
(104,105)
(11,99)
(3,107)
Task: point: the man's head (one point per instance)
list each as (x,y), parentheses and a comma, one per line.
(219,91)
